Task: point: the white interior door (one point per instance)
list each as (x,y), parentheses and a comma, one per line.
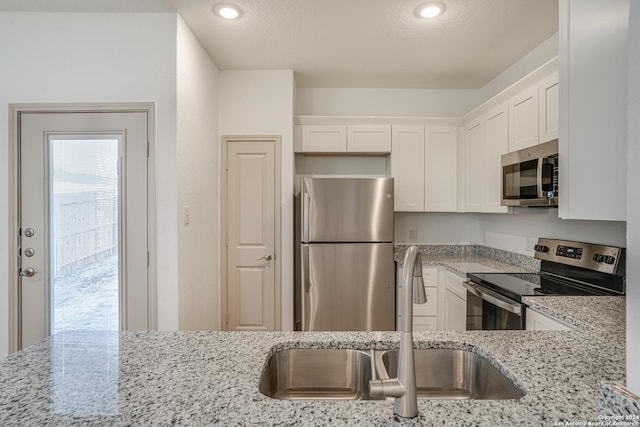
(251,235)
(83,223)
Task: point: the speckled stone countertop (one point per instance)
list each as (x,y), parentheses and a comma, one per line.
(211,378)
(585,313)
(463,259)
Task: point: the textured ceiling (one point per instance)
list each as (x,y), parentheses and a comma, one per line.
(356,43)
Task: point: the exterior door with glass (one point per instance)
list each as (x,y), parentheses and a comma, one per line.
(83,214)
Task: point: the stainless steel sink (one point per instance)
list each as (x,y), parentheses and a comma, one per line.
(344,374)
(452,374)
(333,374)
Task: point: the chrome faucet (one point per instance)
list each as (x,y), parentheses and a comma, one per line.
(403,387)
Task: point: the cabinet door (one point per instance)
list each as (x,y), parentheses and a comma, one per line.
(441,169)
(407,167)
(593,100)
(369,138)
(455,312)
(324,138)
(523,119)
(537,321)
(549,107)
(475,170)
(497,144)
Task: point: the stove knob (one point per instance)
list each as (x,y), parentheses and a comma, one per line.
(598,258)
(542,248)
(609,259)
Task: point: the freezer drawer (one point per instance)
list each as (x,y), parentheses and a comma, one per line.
(346,210)
(347,287)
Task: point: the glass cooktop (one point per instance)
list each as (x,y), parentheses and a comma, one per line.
(517,285)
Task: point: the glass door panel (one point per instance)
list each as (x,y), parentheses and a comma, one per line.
(85,259)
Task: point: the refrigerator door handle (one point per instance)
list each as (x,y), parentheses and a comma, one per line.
(305,269)
(306,201)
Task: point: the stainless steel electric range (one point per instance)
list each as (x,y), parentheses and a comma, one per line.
(494,300)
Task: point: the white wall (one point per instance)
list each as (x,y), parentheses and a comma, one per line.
(197,164)
(436,228)
(261,103)
(72,58)
(633,202)
(417,102)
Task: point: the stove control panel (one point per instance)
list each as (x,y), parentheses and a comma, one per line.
(569,252)
(601,258)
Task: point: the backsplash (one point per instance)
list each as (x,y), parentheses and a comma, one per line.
(519,260)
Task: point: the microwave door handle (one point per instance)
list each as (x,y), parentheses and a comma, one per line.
(493,298)
(539,177)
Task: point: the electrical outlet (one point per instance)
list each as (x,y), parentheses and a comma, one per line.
(413,235)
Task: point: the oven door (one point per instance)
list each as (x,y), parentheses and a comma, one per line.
(490,311)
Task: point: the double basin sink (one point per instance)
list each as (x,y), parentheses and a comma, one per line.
(344,374)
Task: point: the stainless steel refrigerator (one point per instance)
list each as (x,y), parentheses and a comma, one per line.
(344,268)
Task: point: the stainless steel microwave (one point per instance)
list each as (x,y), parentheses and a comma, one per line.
(530,176)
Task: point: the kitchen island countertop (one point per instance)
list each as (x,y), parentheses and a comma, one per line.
(211,378)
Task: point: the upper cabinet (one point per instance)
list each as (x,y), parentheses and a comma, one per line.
(322,138)
(523,119)
(533,114)
(407,167)
(369,138)
(593,109)
(375,138)
(549,107)
(440,169)
(487,139)
(424,163)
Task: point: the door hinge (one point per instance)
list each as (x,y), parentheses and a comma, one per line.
(226,241)
(226,320)
(148,148)
(148,258)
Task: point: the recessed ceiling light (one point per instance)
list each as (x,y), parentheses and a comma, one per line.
(227,11)
(430,10)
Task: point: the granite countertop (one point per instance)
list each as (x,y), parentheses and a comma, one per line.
(211,378)
(463,259)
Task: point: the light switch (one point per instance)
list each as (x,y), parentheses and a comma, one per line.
(413,235)
(187,213)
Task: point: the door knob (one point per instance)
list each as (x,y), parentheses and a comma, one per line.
(267,257)
(27,272)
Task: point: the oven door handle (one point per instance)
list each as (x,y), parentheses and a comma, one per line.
(493,298)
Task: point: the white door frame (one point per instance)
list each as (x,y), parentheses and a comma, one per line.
(224,141)
(15,111)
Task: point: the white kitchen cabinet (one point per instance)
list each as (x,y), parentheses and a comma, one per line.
(407,167)
(548,107)
(428,183)
(313,138)
(487,139)
(441,169)
(523,119)
(322,138)
(369,138)
(454,302)
(425,316)
(537,321)
(593,109)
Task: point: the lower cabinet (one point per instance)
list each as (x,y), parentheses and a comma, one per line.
(425,316)
(537,321)
(446,306)
(454,302)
